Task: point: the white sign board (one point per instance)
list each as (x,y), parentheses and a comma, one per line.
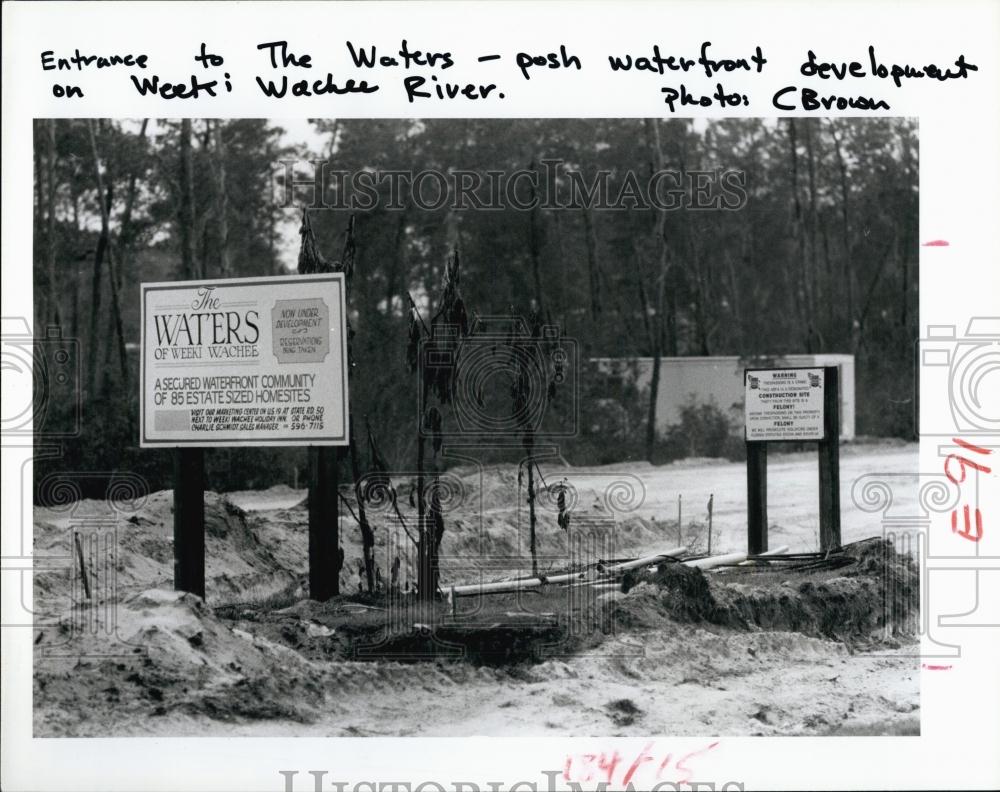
(244,362)
(784,404)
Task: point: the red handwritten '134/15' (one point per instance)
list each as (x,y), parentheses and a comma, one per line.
(966,531)
(586,766)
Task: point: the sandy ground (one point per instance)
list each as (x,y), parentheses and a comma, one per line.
(147,661)
(793,495)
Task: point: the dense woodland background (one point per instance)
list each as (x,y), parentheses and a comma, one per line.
(822,259)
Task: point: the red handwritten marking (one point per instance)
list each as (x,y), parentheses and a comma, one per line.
(930,667)
(644,756)
(937,243)
(969,447)
(609,763)
(680,766)
(967,532)
(663,765)
(586,766)
(962,462)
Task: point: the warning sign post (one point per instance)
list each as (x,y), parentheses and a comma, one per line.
(246,362)
(792,404)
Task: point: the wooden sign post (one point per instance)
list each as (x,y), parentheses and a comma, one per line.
(246,362)
(757,497)
(829,463)
(189,520)
(792,404)
(324,524)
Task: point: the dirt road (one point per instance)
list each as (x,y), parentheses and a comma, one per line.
(793,494)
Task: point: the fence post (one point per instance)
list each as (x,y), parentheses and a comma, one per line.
(711,498)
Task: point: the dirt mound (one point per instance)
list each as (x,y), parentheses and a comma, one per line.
(171,655)
(127,551)
(874,597)
(486,528)
(677,592)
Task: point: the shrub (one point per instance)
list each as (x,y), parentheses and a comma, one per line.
(704,431)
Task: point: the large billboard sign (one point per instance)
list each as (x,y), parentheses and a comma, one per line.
(244,362)
(784,404)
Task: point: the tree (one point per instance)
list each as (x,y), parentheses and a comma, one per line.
(186,217)
(448,327)
(186,197)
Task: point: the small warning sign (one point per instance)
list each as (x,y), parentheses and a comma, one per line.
(784,404)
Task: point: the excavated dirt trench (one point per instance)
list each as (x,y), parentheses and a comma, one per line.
(871,598)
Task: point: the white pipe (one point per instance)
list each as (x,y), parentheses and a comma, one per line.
(510,586)
(499,587)
(596,583)
(585,583)
(714,561)
(780,550)
(730,559)
(504,586)
(673,552)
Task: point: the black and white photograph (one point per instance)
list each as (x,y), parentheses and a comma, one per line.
(454,427)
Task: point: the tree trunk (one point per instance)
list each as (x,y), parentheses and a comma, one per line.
(802,296)
(646,308)
(40,308)
(845,215)
(222,201)
(126,233)
(396,281)
(424,587)
(813,220)
(529,443)
(186,219)
(829,289)
(367,535)
(104,199)
(660,239)
(117,259)
(116,316)
(654,384)
(50,224)
(696,271)
(74,280)
(700,293)
(592,266)
(534,245)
